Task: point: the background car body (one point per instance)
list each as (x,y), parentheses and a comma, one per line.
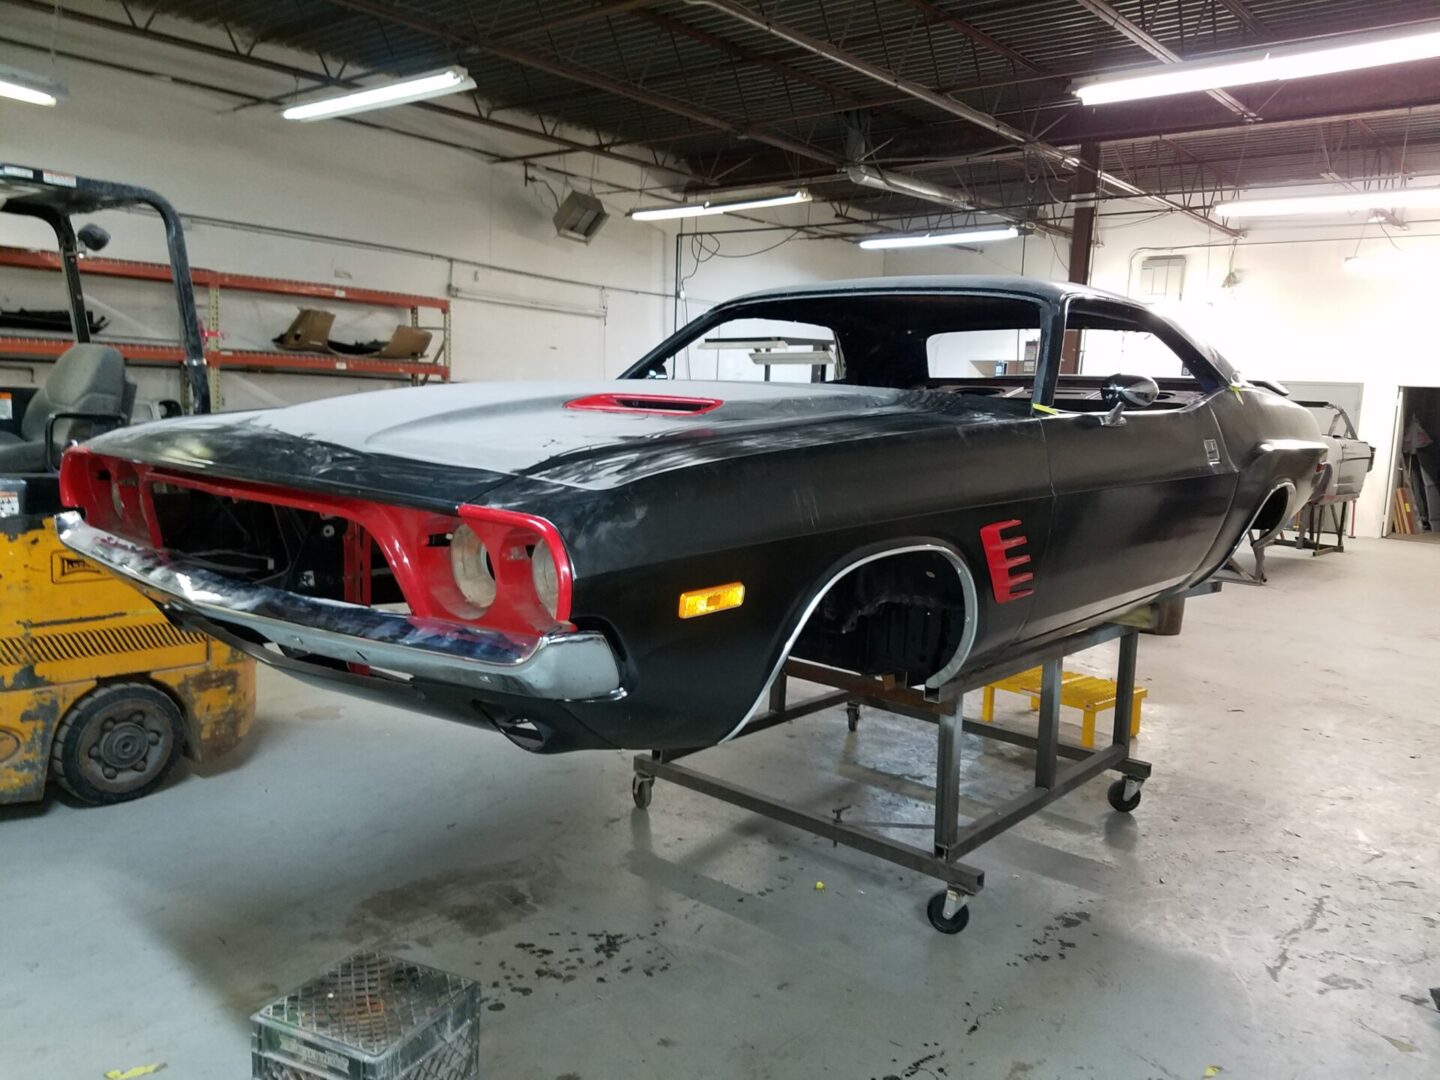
(1348,459)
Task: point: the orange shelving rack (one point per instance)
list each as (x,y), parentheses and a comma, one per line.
(218,357)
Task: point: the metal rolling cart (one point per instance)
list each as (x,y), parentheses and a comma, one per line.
(1311,523)
(1059,767)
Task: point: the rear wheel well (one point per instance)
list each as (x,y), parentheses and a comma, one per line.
(907,614)
(1272,512)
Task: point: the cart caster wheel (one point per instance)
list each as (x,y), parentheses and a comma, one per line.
(852,715)
(641,789)
(1118,798)
(953,923)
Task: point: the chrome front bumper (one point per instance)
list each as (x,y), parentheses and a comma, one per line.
(572,666)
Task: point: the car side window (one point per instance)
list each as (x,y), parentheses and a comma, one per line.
(1114,341)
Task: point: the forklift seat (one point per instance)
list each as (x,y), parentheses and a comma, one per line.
(86,379)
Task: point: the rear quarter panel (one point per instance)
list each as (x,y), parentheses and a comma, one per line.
(1271,440)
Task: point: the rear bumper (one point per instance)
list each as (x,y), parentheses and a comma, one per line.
(573,666)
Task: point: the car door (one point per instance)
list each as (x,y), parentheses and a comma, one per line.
(1137,506)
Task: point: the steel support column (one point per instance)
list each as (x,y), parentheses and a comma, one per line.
(1082,244)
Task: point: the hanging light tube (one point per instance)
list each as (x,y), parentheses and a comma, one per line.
(705,209)
(963,236)
(1420,264)
(1343,202)
(18,85)
(432,84)
(1185,78)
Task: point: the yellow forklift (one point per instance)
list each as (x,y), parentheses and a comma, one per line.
(99,693)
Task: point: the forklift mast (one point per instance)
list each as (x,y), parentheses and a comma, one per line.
(55,198)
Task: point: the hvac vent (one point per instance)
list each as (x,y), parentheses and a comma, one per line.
(580,217)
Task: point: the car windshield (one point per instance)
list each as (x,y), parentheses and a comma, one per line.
(903,341)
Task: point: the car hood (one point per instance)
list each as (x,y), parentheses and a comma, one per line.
(576,434)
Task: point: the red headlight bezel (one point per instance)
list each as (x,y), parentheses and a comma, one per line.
(404,536)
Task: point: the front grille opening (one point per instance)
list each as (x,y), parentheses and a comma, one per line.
(299,551)
(331,664)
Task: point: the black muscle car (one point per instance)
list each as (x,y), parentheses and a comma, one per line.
(628,564)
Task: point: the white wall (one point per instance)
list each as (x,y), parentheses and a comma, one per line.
(1296,313)
(413,217)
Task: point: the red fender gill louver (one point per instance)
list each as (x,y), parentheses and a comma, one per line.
(118,496)
(1003,582)
(654,404)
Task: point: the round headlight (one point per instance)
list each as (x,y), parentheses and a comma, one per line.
(545,578)
(470,565)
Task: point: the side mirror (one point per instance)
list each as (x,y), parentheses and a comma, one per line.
(1129,392)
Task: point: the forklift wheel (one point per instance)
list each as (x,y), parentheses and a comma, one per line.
(117,743)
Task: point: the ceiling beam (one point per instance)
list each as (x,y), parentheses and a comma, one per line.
(1397,164)
(980,119)
(750,56)
(933,13)
(560,22)
(1156,48)
(786,55)
(1374,94)
(562,69)
(813,113)
(533,103)
(1245,15)
(1215,169)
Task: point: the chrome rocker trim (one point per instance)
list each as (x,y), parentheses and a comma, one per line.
(559,667)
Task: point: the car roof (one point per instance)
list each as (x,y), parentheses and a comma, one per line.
(1007,284)
(1011,285)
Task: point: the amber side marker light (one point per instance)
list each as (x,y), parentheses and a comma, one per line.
(698,602)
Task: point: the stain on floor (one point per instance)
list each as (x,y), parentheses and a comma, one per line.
(477,901)
(594,958)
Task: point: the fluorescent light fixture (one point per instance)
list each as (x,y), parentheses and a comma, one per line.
(1270,67)
(964,236)
(32,89)
(432,84)
(705,209)
(1388,264)
(1345,202)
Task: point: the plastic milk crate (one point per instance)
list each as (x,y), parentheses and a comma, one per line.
(371,1017)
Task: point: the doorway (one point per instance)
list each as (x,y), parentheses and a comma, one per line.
(1414,509)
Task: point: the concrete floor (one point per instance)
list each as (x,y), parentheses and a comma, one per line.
(1272,909)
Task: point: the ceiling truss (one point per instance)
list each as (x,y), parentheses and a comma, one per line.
(969,96)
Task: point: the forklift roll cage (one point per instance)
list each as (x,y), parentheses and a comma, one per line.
(55,198)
